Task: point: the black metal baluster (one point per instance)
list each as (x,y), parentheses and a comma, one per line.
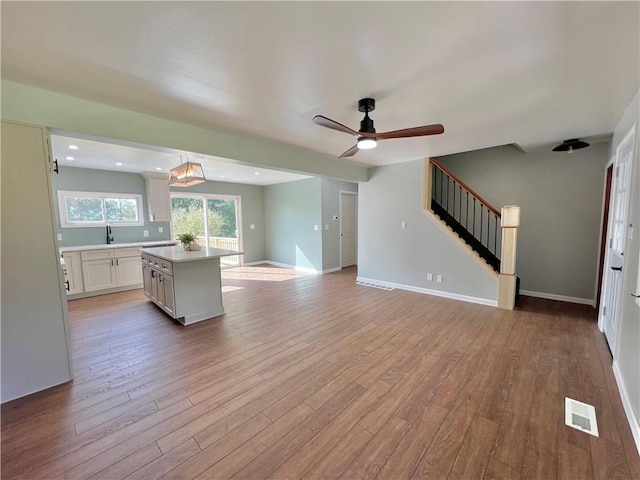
(474,217)
(453,211)
(481,207)
(466,205)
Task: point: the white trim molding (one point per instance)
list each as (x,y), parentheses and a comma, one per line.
(626,403)
(560,298)
(427,291)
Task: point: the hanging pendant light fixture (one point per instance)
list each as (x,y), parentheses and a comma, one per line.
(571,145)
(186,174)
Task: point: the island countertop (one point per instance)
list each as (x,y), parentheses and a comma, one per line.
(179,254)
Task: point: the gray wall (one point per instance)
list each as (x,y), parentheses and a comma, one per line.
(628,353)
(291,211)
(389,253)
(90,180)
(560,196)
(331,206)
(34,332)
(252,204)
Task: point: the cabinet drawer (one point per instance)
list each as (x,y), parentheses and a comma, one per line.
(166,266)
(127,252)
(154,261)
(96,254)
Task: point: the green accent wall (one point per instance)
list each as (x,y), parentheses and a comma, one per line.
(291,211)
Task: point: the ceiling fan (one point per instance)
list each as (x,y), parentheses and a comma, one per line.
(367,137)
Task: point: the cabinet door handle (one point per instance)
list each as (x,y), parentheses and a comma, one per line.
(154,217)
(67,286)
(55,168)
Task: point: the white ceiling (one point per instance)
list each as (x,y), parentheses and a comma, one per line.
(103,155)
(493,73)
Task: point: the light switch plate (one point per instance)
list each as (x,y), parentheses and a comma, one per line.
(159,229)
(316,228)
(59,237)
(326,226)
(145,233)
(252,227)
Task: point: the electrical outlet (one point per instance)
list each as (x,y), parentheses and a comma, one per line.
(159,229)
(252,226)
(316,228)
(404,224)
(145,233)
(335,217)
(430,277)
(439,278)
(59,237)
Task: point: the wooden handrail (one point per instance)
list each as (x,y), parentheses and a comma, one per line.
(465,187)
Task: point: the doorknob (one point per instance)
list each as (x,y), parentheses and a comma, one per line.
(618,269)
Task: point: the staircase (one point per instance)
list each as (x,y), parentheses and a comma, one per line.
(471,217)
(477,223)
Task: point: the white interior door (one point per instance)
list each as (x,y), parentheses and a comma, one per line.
(347,229)
(609,310)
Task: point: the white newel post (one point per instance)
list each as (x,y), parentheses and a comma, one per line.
(509,222)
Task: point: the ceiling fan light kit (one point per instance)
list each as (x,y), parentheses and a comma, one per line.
(570,145)
(366,137)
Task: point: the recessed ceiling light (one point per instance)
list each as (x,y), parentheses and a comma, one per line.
(72,147)
(118,164)
(256,173)
(158,168)
(221,176)
(70,158)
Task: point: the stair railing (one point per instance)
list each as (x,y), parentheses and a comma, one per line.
(474,219)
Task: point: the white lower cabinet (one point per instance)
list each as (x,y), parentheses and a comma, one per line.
(158,285)
(104,269)
(98,274)
(73,272)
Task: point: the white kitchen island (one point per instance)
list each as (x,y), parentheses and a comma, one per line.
(185,284)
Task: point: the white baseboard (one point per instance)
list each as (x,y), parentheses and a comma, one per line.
(331,270)
(626,403)
(250,264)
(560,298)
(300,269)
(427,291)
(286,265)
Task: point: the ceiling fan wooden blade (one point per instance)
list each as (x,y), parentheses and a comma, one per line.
(435,129)
(327,122)
(351,152)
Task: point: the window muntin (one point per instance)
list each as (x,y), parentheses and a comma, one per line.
(96,209)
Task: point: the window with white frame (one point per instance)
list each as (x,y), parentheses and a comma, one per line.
(97,209)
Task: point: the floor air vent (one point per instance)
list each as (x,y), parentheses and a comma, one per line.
(373,285)
(580,416)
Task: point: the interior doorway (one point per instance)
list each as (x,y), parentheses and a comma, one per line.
(348,229)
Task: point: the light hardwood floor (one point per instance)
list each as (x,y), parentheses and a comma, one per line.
(316,377)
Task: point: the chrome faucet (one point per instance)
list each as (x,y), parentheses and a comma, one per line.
(109,235)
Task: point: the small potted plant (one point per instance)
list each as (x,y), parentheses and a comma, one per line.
(188,241)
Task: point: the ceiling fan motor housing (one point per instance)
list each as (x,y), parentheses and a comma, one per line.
(367,105)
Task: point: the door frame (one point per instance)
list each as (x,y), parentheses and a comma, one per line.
(629,137)
(604,229)
(355,194)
